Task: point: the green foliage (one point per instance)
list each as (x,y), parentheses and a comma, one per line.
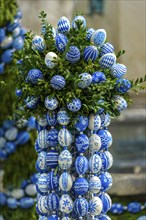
(8,11)
(138,84)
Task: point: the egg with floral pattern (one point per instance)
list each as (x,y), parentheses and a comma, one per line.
(74,105)
(120,102)
(38,43)
(82,143)
(95,163)
(51,103)
(49,60)
(105,119)
(81,206)
(65,181)
(94,142)
(66,204)
(98,77)
(85,80)
(41,162)
(106,181)
(63,117)
(95,206)
(81,123)
(123,85)
(31,102)
(94,122)
(63,25)
(61,42)
(106,138)
(65,160)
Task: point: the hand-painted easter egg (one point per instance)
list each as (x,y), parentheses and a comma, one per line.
(2,67)
(81,165)
(98,37)
(118,70)
(42,121)
(41,162)
(63,25)
(7,42)
(74,105)
(89,33)
(52,118)
(7,56)
(82,143)
(12,203)
(43,30)
(16,32)
(34,75)
(79,19)
(95,163)
(90,53)
(80,186)
(66,218)
(107,160)
(94,184)
(65,160)
(42,185)
(38,44)
(106,48)
(52,138)
(18,43)
(81,206)
(53,217)
(42,205)
(31,102)
(106,181)
(117,208)
(81,123)
(94,142)
(17,193)
(64,137)
(85,80)
(120,103)
(11,26)
(57,82)
(52,181)
(104,217)
(18,92)
(63,117)
(49,60)
(61,42)
(10,147)
(106,201)
(53,201)
(11,134)
(66,204)
(105,119)
(95,206)
(107,60)
(73,55)
(123,85)
(52,159)
(94,122)
(42,139)
(51,103)
(30,189)
(2,34)
(65,181)
(106,138)
(26,202)
(98,77)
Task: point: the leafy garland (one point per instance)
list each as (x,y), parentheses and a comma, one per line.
(89,97)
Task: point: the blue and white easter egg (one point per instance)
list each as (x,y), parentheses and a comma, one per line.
(2,34)
(51,103)
(7,56)
(117,208)
(104,217)
(38,44)
(52,138)
(11,134)
(123,85)
(66,218)
(94,184)
(30,189)
(52,159)
(42,139)
(98,37)
(2,67)
(106,201)
(34,177)
(17,193)
(80,186)
(42,121)
(23,32)
(37,148)
(31,102)
(82,143)
(11,26)
(95,206)
(106,48)
(61,42)
(73,55)
(81,206)
(81,123)
(26,202)
(42,205)
(7,42)
(43,217)
(65,160)
(66,204)
(120,103)
(85,80)
(34,75)
(49,60)
(18,43)
(74,105)
(64,137)
(106,181)
(41,164)
(90,53)
(98,77)
(63,25)
(3,199)
(65,181)
(2,142)
(107,60)
(16,31)
(53,201)
(3,154)
(94,142)
(52,118)
(52,181)
(94,122)
(118,70)
(89,33)
(53,217)
(95,163)
(63,117)
(81,165)
(81,19)
(18,92)
(42,185)
(106,138)
(134,207)
(105,119)
(12,203)
(19,14)
(57,82)
(10,147)
(8,123)
(107,160)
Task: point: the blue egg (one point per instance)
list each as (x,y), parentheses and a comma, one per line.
(118,70)
(26,202)
(81,165)
(107,60)
(82,143)
(65,160)
(38,44)
(79,19)
(63,117)
(81,206)
(19,14)
(80,186)
(12,203)
(74,105)
(66,204)
(51,103)
(85,80)
(2,34)
(3,199)
(106,181)
(3,154)
(10,147)
(94,122)
(42,205)
(106,48)
(123,85)
(52,118)
(2,67)
(120,103)
(57,82)
(23,32)
(31,102)
(34,75)
(134,207)
(95,206)
(18,43)
(89,33)
(99,37)
(106,201)
(94,184)
(106,138)
(53,201)
(7,56)
(65,137)
(49,60)
(52,181)
(52,138)
(65,181)
(107,160)
(98,77)
(117,208)
(13,25)
(51,217)
(105,119)
(52,159)
(42,184)
(18,92)
(41,162)
(61,42)
(81,123)
(7,42)
(95,163)
(63,25)
(16,32)
(43,139)
(34,178)
(73,55)
(104,217)
(8,123)
(90,53)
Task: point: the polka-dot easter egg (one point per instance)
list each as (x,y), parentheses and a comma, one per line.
(42,185)
(85,80)
(66,204)
(42,205)
(82,143)
(95,206)
(95,163)
(38,43)
(90,53)
(52,138)
(106,201)
(65,160)
(107,60)
(74,105)
(98,77)
(52,159)
(49,60)
(42,139)
(120,103)
(89,33)
(51,103)
(94,184)
(53,201)
(80,186)
(81,123)
(106,181)
(106,138)
(94,122)
(107,160)
(81,206)
(98,37)
(52,181)
(123,85)
(106,48)
(64,137)
(73,55)
(63,117)
(51,118)
(61,42)
(117,208)
(94,142)
(81,165)
(34,75)
(11,134)
(118,70)
(57,82)
(65,181)
(79,19)
(63,25)
(7,42)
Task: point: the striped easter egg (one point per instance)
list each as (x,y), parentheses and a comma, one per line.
(52,138)
(63,25)
(42,139)
(90,53)
(94,184)
(52,180)
(64,137)
(53,201)
(73,55)
(57,82)
(118,70)
(106,48)
(80,186)
(65,181)
(52,158)
(106,201)
(81,206)
(81,165)
(107,60)
(42,205)
(94,122)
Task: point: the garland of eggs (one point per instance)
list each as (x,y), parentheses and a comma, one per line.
(11,39)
